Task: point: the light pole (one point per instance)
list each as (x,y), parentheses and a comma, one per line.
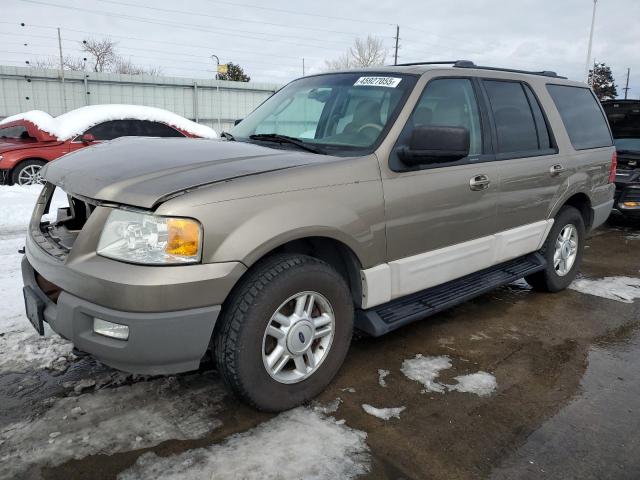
(218,91)
(588,62)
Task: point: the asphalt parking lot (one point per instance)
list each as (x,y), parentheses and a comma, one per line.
(566,403)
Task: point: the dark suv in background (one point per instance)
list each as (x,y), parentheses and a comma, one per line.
(624,118)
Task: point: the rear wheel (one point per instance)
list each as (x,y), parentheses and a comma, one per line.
(28,173)
(284,332)
(562,250)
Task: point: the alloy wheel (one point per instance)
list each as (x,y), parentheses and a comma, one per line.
(566,250)
(298,337)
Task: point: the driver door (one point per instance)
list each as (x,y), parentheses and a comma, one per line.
(441,217)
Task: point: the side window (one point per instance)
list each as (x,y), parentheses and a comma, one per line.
(156,129)
(113,129)
(544,139)
(515,125)
(449,102)
(582,116)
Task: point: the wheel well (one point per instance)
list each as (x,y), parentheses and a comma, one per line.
(333,252)
(581,202)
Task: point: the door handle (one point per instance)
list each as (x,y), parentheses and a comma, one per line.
(556,169)
(479,182)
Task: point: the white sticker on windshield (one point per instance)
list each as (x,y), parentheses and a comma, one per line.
(391,82)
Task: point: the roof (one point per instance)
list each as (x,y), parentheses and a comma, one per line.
(76,122)
(459,67)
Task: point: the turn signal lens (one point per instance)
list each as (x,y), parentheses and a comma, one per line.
(631,204)
(184,237)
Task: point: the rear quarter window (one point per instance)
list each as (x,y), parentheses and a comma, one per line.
(582,116)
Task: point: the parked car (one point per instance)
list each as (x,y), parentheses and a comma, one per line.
(29,140)
(421,186)
(624,118)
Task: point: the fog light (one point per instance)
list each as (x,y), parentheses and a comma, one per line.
(631,204)
(110,329)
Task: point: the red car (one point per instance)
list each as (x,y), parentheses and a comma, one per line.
(29,140)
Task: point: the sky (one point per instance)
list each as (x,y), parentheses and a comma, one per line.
(270,39)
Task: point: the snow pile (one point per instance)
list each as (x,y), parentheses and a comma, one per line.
(383,413)
(299,443)
(21,347)
(425,370)
(109,421)
(17,205)
(382,374)
(76,122)
(622,289)
(480,383)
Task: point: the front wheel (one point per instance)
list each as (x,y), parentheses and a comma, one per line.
(28,173)
(562,250)
(284,332)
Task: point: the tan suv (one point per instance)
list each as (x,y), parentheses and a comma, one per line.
(363,199)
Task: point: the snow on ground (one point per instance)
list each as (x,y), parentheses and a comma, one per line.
(20,346)
(382,374)
(622,289)
(425,370)
(77,121)
(383,413)
(480,383)
(111,420)
(299,443)
(331,407)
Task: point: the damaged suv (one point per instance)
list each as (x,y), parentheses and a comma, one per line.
(363,199)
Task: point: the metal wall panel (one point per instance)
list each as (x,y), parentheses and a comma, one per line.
(23,89)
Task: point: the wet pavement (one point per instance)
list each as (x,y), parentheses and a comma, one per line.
(567,403)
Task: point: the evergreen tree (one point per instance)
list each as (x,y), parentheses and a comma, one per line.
(602,82)
(235,73)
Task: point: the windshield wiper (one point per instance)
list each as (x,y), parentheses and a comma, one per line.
(275,137)
(228,136)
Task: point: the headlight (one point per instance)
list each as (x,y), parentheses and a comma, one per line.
(150,239)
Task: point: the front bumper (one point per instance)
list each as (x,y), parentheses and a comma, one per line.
(158,343)
(628,192)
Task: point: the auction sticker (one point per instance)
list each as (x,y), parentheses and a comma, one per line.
(391,82)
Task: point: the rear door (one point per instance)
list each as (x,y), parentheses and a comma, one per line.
(439,226)
(532,174)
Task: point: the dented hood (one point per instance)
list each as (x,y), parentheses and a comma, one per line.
(143,171)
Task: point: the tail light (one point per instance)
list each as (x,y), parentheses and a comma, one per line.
(614,167)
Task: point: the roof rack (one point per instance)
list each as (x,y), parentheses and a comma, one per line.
(470,64)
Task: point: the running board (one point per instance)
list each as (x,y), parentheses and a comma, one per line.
(384,318)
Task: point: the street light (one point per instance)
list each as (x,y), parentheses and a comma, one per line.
(588,62)
(218,91)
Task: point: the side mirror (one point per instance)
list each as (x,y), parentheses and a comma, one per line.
(235,122)
(87,138)
(430,144)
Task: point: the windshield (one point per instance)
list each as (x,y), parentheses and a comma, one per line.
(17,132)
(627,144)
(337,112)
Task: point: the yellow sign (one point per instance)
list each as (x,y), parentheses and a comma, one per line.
(223,68)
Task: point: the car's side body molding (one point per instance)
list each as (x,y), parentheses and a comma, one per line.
(404,276)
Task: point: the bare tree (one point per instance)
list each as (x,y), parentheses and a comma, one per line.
(124,65)
(366,52)
(69,63)
(101,56)
(103,53)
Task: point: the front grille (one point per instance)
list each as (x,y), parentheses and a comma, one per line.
(630,195)
(56,231)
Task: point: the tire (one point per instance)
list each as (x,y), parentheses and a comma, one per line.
(25,173)
(243,347)
(552,278)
